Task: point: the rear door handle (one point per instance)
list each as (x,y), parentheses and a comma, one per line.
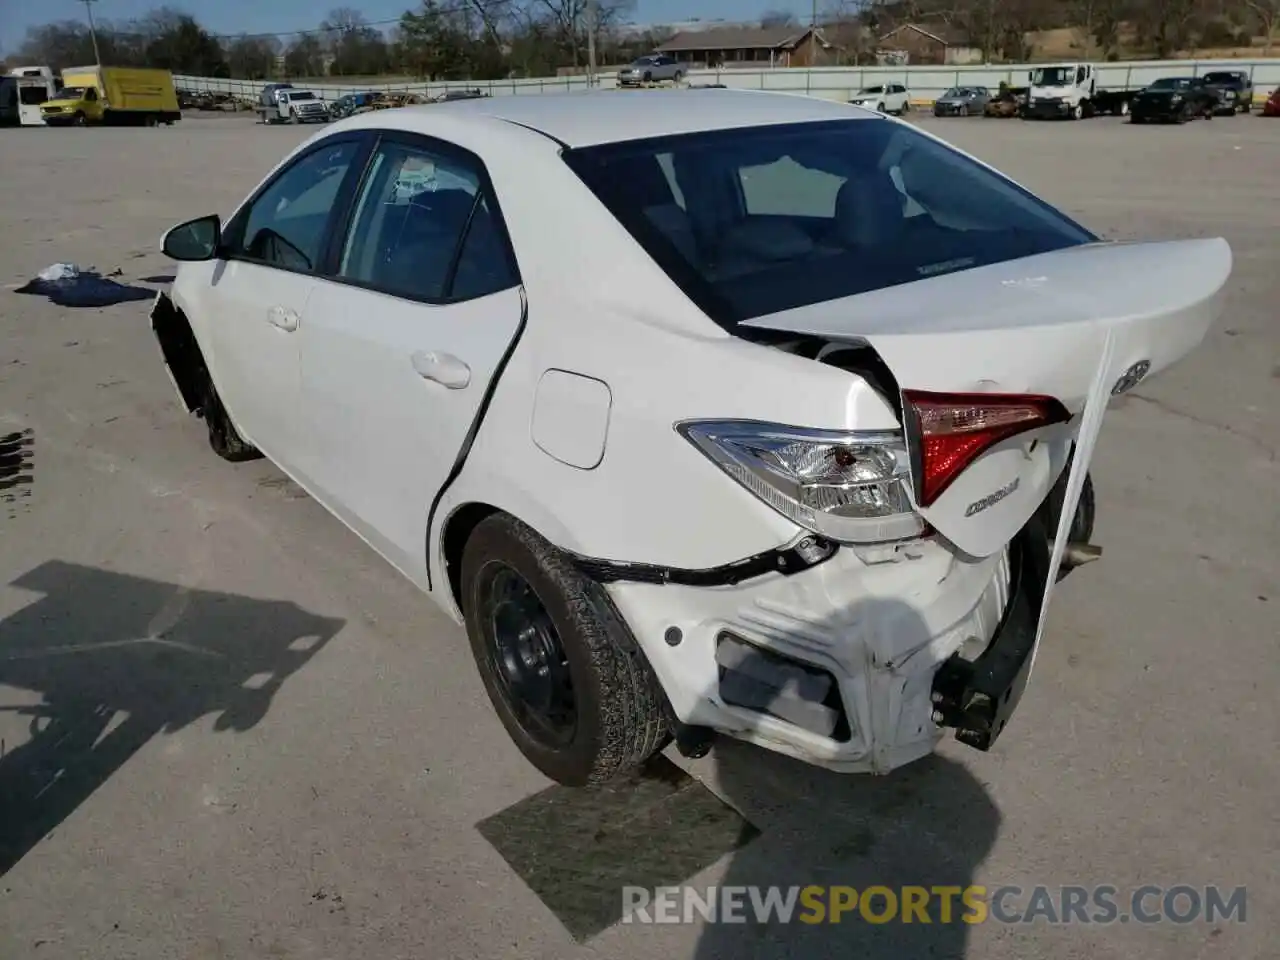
(283,318)
(443,368)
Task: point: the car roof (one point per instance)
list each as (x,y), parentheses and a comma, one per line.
(601,116)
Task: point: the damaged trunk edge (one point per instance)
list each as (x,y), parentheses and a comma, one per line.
(1046,326)
(183,360)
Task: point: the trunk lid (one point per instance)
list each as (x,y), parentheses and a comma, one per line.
(1055,324)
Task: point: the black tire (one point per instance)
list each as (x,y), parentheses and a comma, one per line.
(618,716)
(964,109)
(678,77)
(223,437)
(1082,523)
(647,78)
(79,119)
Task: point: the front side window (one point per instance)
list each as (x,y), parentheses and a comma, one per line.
(754,221)
(424,229)
(285,226)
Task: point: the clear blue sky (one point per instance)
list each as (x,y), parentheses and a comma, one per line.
(268,16)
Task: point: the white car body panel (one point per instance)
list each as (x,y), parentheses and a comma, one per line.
(630,355)
(1029,326)
(383,436)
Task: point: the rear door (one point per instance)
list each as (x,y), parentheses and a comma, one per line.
(403,341)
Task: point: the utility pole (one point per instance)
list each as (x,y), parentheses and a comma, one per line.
(592,16)
(93,33)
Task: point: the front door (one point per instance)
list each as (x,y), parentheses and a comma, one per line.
(258,298)
(403,342)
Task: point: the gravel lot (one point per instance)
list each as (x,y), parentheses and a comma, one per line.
(230,731)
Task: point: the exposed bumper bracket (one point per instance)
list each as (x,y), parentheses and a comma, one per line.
(977,697)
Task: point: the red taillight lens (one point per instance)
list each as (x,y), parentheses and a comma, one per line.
(951,430)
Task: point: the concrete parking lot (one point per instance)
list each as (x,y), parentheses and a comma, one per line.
(228,730)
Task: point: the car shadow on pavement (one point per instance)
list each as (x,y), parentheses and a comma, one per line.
(118,659)
(749,817)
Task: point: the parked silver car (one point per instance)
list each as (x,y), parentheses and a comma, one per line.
(657,66)
(962,102)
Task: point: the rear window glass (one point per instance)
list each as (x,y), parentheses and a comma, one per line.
(758,220)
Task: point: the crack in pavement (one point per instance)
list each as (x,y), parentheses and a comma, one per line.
(1225,428)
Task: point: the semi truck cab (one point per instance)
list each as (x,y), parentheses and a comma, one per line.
(1061,90)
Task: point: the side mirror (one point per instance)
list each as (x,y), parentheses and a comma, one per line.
(195,240)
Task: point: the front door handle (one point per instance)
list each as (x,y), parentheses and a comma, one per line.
(444,368)
(283,318)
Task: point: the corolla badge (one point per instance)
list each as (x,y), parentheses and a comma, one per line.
(991,499)
(1131,377)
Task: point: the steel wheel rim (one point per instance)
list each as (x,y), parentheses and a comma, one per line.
(527,659)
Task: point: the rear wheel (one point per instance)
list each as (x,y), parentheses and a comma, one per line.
(563,672)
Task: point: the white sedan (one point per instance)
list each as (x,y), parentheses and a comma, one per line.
(705,412)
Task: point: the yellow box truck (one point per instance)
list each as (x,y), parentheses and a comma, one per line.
(116,95)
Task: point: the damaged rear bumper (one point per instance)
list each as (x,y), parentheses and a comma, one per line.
(858,664)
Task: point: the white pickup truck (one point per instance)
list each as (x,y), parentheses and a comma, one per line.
(298,106)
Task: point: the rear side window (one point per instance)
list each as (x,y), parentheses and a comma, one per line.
(424,230)
(759,220)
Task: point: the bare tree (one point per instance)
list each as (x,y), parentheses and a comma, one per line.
(568,18)
(1166,25)
(1268,14)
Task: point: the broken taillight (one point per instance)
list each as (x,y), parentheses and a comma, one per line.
(951,430)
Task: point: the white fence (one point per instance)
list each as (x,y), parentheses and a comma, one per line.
(926,83)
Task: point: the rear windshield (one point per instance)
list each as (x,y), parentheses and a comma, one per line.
(758,220)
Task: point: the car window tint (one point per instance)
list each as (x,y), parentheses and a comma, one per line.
(285,225)
(774,218)
(483,264)
(409,222)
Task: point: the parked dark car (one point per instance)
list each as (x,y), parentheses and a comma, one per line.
(1174,100)
(349,103)
(1235,89)
(962,102)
